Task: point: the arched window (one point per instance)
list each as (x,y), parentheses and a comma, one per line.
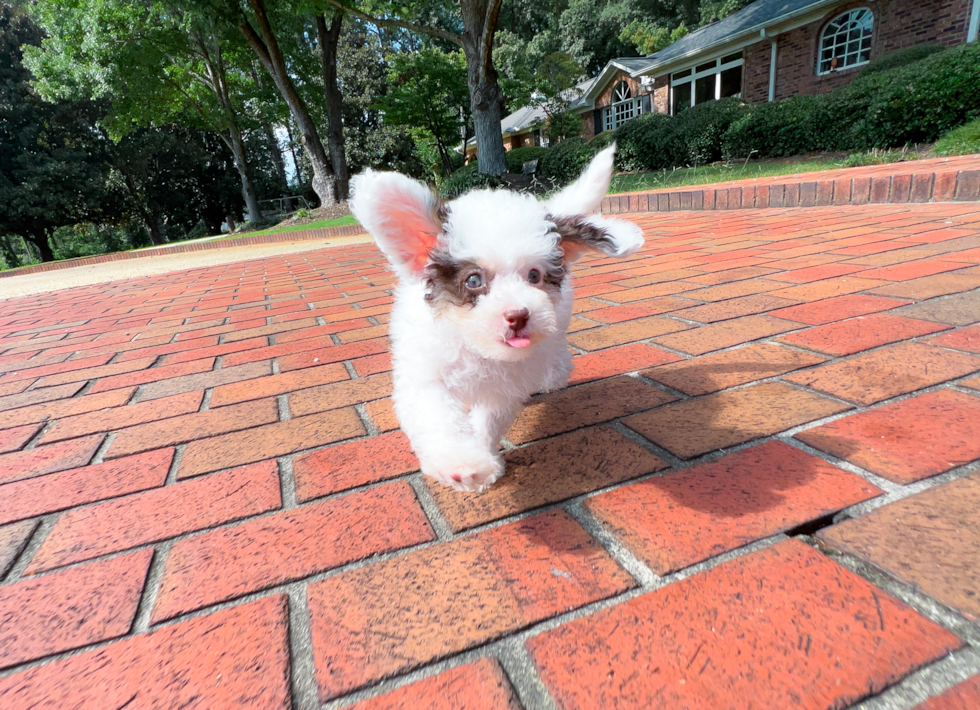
(623,107)
(846,41)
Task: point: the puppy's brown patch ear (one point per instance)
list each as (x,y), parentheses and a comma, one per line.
(579,235)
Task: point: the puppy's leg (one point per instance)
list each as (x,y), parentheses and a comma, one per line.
(442,434)
(490,424)
(557,376)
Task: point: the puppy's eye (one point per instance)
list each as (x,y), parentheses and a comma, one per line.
(474,282)
(533,276)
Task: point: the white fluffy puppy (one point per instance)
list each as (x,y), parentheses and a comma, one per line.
(483,300)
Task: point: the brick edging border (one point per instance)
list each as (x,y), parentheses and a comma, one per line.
(950,186)
(299,235)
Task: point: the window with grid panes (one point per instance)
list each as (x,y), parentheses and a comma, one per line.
(846,41)
(708,81)
(623,107)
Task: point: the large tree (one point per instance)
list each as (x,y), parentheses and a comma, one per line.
(476,26)
(54,163)
(156,62)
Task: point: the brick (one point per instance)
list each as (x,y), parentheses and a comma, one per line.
(15,438)
(786,609)
(480,685)
(340,394)
(354,464)
(630,331)
(731,275)
(839,308)
(247,374)
(967,185)
(13,540)
(816,273)
(15,387)
(961,309)
(640,309)
(828,288)
(29,373)
(158,514)
(677,520)
(381,620)
(372,364)
(34,397)
(967,339)
(246,664)
(270,441)
(963,696)
(725,334)
(71,608)
(48,459)
(276,384)
(122,417)
(226,350)
(263,330)
(589,404)
(733,308)
(945,187)
(382,415)
(219,565)
(191,427)
(157,377)
(931,286)
(64,408)
(912,270)
(906,441)
(901,187)
(928,540)
(861,333)
(93,373)
(67,489)
(352,336)
(548,472)
(157,347)
(320,330)
(716,421)
(711,373)
(922,187)
(617,361)
(882,374)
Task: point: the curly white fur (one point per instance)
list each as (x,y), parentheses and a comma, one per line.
(461,370)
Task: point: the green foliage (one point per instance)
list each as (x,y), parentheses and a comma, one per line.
(964,140)
(428,93)
(649,142)
(517,157)
(649,38)
(701,129)
(903,105)
(565,161)
(901,58)
(875,157)
(466,179)
(714,10)
(603,140)
(86,239)
(791,126)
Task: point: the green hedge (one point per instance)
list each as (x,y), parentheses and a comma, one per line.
(702,128)
(565,161)
(517,157)
(648,142)
(465,179)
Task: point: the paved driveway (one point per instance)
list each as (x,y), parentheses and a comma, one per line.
(758,492)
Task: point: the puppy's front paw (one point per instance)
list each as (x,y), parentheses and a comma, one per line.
(474,472)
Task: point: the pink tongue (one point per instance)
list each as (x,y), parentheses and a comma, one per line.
(518,342)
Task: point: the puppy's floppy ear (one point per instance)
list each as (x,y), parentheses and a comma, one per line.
(571,212)
(403,215)
(579,234)
(585,194)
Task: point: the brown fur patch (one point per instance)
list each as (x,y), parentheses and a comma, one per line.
(577,231)
(445,280)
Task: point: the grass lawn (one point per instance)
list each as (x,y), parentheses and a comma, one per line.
(681,177)
(321,224)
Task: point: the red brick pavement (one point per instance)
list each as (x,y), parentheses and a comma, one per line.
(205,501)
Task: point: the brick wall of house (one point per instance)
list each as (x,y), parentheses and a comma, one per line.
(588,125)
(661,94)
(605,98)
(897,24)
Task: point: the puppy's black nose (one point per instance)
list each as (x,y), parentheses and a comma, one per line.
(517,319)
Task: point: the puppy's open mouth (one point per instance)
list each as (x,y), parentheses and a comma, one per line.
(517,338)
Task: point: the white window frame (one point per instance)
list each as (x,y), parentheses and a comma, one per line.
(835,34)
(624,107)
(688,75)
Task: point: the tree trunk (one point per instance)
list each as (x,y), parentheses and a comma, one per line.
(276,153)
(486,96)
(266,46)
(328,38)
(40,240)
(300,178)
(153,227)
(237,146)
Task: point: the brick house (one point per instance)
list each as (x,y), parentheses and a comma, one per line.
(770,50)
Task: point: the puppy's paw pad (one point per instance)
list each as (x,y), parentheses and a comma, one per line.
(471,476)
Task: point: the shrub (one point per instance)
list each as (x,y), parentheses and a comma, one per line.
(650,142)
(702,128)
(565,161)
(874,157)
(901,58)
(603,140)
(465,179)
(960,141)
(517,157)
(788,127)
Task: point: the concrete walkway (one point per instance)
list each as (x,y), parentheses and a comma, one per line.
(760,490)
